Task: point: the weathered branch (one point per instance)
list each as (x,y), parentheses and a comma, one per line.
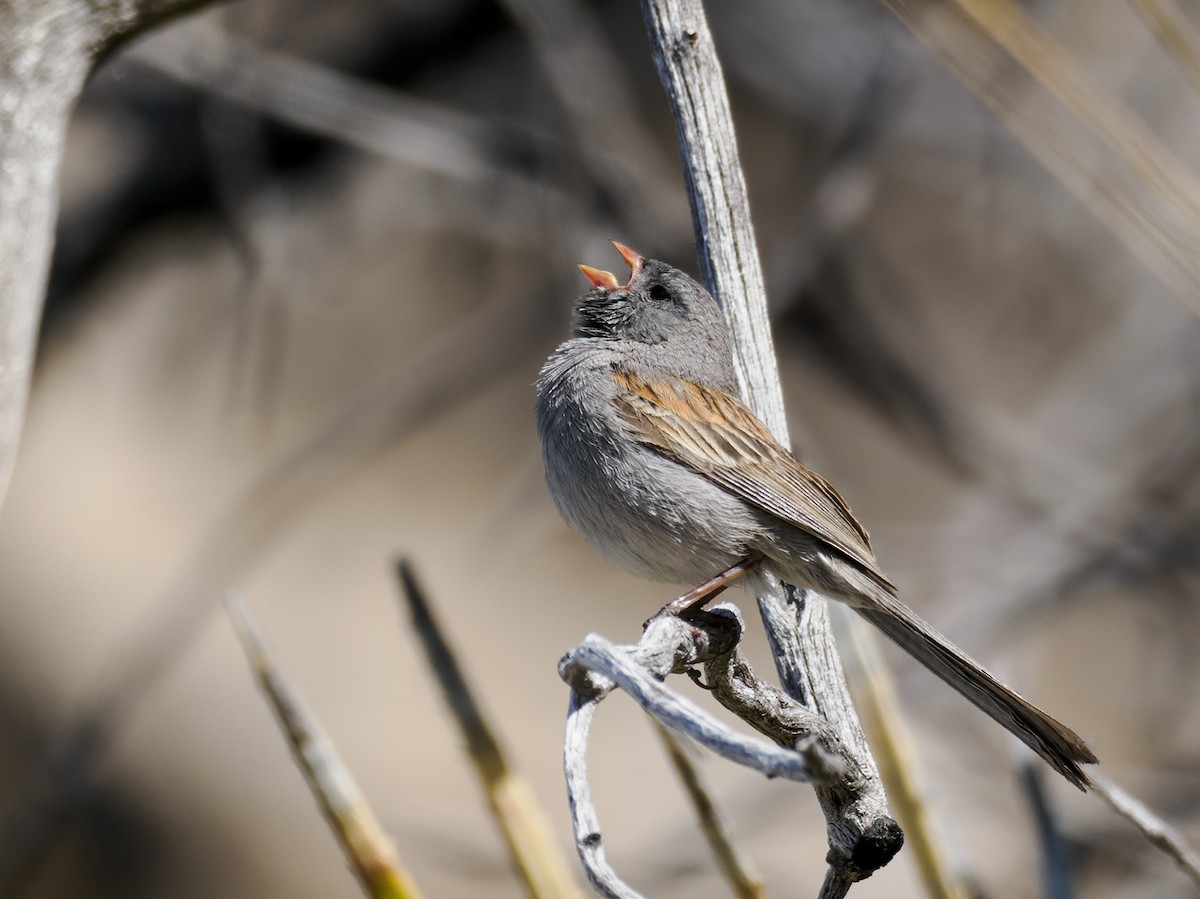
(862,836)
(47,49)
(670,645)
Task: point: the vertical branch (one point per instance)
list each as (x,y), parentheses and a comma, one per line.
(47,48)
(729,264)
(44,58)
(862,836)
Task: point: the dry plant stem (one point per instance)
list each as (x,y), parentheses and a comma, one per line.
(718,832)
(1161,835)
(1171,33)
(1096,147)
(835,886)
(729,262)
(322,101)
(451,368)
(671,645)
(369,852)
(585,823)
(523,823)
(47,49)
(883,720)
(596,667)
(862,835)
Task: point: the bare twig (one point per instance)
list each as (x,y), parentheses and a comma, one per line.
(605,666)
(883,720)
(863,837)
(835,886)
(716,829)
(1161,835)
(671,645)
(584,821)
(368,850)
(522,821)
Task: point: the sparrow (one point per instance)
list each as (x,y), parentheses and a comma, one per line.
(651,456)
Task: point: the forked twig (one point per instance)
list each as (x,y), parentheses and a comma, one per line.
(671,645)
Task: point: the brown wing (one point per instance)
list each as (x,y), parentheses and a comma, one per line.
(719,437)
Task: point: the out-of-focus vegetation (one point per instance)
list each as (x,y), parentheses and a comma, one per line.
(309,259)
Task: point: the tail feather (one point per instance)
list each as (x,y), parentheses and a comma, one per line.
(1061,747)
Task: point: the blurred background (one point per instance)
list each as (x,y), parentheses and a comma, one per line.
(310,259)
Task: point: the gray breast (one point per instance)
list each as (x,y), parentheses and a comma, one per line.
(643,512)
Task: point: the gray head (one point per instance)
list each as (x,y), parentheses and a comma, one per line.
(660,315)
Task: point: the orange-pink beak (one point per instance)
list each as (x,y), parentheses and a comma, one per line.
(607,280)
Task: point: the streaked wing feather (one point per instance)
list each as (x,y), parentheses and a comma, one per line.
(692,425)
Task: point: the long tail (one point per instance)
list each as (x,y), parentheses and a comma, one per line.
(1055,742)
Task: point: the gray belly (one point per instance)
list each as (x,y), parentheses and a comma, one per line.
(644,512)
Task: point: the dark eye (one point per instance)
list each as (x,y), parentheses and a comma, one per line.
(660,293)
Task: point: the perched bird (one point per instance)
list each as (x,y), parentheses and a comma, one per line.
(650,455)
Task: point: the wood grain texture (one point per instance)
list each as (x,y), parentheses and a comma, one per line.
(862,835)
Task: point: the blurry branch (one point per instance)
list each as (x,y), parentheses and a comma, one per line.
(1096,147)
(321,101)
(449,370)
(47,49)
(1160,834)
(1171,34)
(670,645)
(738,870)
(873,688)
(368,850)
(602,111)
(235,145)
(863,837)
(431,136)
(522,821)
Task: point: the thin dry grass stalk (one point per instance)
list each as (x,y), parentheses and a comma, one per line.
(1161,835)
(523,822)
(737,869)
(369,851)
(1096,147)
(1173,36)
(879,710)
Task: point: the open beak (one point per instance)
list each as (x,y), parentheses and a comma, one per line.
(607,280)
(632,258)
